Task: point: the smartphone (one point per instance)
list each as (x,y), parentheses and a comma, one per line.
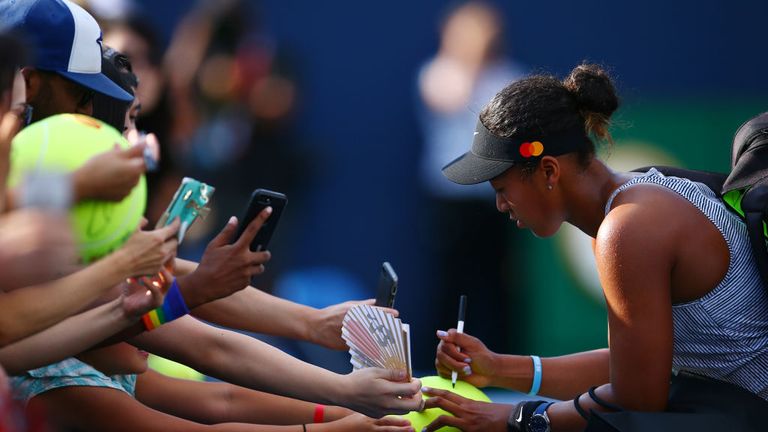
(387,288)
(260,199)
(188,203)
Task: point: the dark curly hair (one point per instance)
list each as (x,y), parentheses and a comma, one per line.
(542,105)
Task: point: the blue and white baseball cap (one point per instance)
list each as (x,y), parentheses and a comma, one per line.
(64,38)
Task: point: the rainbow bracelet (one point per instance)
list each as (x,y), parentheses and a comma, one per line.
(173,307)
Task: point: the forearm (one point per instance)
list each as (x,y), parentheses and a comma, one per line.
(97,409)
(250,406)
(226,402)
(259,365)
(65,339)
(212,403)
(562,377)
(24,313)
(256,311)
(183,267)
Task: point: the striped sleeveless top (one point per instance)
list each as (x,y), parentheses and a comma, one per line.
(724,334)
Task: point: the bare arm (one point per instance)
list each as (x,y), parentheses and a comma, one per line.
(256,311)
(207,402)
(99,409)
(82,331)
(108,176)
(242,360)
(65,339)
(634,251)
(563,377)
(25,314)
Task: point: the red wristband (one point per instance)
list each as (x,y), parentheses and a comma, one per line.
(319,413)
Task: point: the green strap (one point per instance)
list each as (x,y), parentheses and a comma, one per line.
(733,199)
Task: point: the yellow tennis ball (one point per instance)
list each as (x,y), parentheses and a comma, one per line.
(63,143)
(420,420)
(173,369)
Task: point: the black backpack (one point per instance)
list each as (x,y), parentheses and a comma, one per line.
(745,189)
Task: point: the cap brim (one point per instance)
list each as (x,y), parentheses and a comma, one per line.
(470,169)
(98,83)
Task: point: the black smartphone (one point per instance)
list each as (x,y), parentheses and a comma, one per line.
(260,199)
(387,288)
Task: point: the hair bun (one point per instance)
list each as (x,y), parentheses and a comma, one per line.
(593,90)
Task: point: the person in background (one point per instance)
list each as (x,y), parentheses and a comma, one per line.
(134,37)
(470,65)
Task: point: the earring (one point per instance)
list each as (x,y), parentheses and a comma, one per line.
(549,186)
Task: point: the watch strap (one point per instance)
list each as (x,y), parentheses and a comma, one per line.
(539,415)
(542,408)
(521,415)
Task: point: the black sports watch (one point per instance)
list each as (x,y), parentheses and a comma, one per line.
(520,417)
(539,421)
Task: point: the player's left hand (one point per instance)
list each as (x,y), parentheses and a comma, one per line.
(469,415)
(325,326)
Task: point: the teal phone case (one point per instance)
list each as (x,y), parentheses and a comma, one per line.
(189,202)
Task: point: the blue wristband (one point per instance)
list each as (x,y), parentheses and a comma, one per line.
(174,305)
(536,375)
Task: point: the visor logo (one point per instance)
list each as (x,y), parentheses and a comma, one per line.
(535,148)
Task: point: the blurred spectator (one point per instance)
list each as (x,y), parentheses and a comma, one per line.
(467,251)
(134,37)
(11,58)
(221,101)
(107,9)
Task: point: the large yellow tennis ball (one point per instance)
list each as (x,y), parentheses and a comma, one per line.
(63,143)
(420,420)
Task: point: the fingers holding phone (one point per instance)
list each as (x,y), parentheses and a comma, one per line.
(257,226)
(248,234)
(224,268)
(258,237)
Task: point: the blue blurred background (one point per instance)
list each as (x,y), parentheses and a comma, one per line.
(689,72)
